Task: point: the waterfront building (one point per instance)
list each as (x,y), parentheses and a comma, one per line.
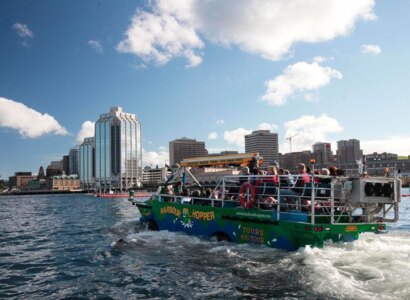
(86,163)
(20,179)
(73,161)
(265,143)
(154,176)
(322,153)
(348,151)
(291,160)
(182,148)
(374,157)
(66,164)
(118,151)
(55,168)
(63,183)
(378,163)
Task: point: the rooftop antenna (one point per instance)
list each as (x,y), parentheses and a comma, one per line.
(290,141)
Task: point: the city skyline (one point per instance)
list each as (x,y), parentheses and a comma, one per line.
(200,80)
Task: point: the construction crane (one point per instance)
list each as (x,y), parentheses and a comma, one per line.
(290,141)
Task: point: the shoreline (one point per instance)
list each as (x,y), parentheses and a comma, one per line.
(45,192)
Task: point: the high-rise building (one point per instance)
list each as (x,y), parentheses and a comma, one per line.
(73,161)
(182,148)
(118,151)
(348,151)
(66,164)
(265,143)
(86,163)
(322,153)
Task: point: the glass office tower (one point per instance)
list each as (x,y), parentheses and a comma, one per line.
(73,161)
(86,158)
(118,151)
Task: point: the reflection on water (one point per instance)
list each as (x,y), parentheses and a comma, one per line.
(80,246)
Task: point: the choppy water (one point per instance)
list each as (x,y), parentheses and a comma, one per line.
(54,247)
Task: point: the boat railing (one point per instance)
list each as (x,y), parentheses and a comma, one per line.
(325,199)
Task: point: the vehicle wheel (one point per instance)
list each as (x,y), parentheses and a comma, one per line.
(220,236)
(152,225)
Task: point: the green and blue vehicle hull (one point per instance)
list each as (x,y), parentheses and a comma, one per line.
(292,230)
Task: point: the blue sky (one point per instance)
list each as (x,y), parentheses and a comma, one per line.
(212,70)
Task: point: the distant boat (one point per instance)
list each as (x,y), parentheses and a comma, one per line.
(141,194)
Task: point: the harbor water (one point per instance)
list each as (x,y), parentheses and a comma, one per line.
(78,246)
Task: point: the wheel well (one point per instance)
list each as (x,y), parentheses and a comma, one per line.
(221,236)
(152,225)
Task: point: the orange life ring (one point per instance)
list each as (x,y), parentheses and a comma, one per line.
(244,197)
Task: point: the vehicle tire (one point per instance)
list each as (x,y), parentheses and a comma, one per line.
(152,226)
(221,237)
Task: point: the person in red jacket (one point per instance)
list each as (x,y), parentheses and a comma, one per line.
(301,179)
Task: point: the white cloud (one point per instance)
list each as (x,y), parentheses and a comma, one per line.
(212,136)
(87,130)
(236,136)
(267,126)
(22,30)
(220,122)
(170,29)
(307,130)
(299,77)
(153,158)
(27,121)
(393,144)
(96,45)
(371,49)
(163,33)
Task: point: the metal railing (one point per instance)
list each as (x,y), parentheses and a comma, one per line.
(325,199)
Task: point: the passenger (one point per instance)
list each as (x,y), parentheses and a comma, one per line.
(285,178)
(262,172)
(291,180)
(325,172)
(302,179)
(333,171)
(245,178)
(323,187)
(282,178)
(270,181)
(253,166)
(177,188)
(316,177)
(196,193)
(208,192)
(184,192)
(169,191)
